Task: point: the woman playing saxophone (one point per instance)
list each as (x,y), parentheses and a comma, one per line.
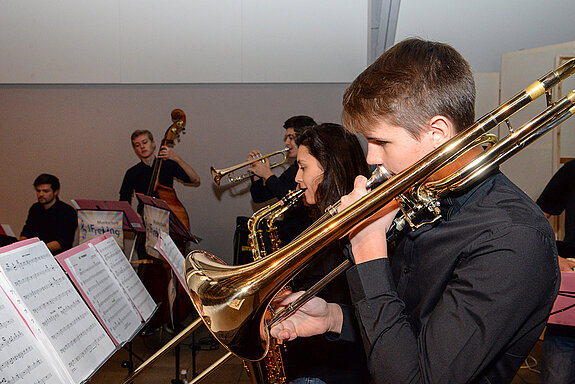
(325,177)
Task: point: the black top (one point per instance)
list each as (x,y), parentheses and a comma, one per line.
(339,362)
(57,223)
(559,196)
(137,179)
(464,299)
(274,186)
(295,220)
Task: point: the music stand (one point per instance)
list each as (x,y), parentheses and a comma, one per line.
(7,236)
(176,226)
(131,220)
(179,229)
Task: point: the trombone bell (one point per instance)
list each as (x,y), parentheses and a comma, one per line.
(232,308)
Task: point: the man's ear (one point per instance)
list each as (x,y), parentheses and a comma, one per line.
(441,130)
(56,192)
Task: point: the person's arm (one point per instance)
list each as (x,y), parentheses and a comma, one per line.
(192,176)
(126,189)
(280,186)
(476,317)
(28,229)
(556,193)
(566,265)
(54,246)
(66,230)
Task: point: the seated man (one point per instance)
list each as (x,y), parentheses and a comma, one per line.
(51,220)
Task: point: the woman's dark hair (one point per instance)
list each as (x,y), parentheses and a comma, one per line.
(341,158)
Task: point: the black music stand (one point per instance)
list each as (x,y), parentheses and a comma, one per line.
(177,228)
(7,240)
(7,236)
(131,222)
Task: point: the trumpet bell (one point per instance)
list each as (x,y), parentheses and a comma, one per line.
(216,175)
(228,300)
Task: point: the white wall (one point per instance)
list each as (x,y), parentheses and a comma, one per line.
(483,30)
(532,168)
(182,41)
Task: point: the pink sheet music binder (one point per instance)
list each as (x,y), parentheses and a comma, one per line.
(563,311)
(131,222)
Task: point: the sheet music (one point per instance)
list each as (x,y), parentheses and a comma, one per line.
(562,311)
(169,250)
(54,310)
(125,274)
(22,359)
(102,292)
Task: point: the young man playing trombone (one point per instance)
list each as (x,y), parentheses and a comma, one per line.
(460,300)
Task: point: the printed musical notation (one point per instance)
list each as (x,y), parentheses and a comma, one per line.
(169,250)
(102,292)
(21,361)
(116,260)
(53,310)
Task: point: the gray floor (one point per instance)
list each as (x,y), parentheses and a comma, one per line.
(163,370)
(208,351)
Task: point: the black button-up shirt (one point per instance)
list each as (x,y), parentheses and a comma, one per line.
(462,300)
(137,179)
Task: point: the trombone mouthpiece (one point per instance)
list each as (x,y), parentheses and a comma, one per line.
(378,176)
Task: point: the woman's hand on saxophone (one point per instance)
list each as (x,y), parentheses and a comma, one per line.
(315,317)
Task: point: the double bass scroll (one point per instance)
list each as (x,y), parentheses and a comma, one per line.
(155,188)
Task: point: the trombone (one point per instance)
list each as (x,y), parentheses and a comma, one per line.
(233,300)
(217,174)
(169,346)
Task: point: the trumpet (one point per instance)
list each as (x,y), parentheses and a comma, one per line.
(233,300)
(217,174)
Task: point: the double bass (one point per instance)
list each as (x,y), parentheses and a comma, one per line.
(155,188)
(156,274)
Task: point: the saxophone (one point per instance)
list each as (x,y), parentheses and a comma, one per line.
(269,370)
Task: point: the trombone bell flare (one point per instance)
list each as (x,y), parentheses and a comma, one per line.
(232,315)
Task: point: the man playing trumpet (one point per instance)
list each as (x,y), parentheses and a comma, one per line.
(266,185)
(461,300)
